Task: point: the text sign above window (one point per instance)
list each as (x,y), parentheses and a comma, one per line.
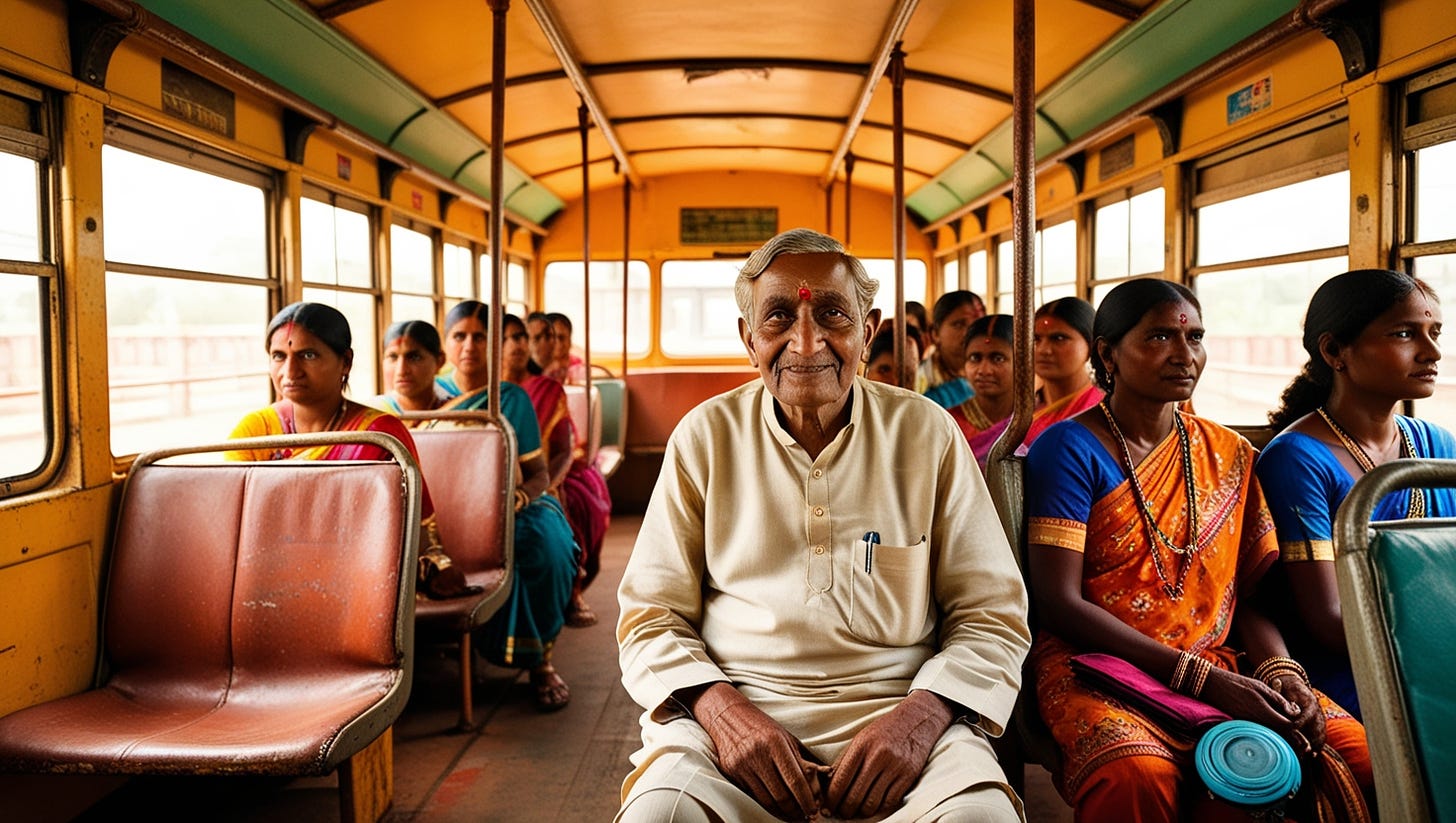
(728,225)
(197,100)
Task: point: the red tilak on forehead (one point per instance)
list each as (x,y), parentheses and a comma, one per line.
(804,292)
(1183,318)
(288,331)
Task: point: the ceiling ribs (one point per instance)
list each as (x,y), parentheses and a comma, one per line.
(741,115)
(579,80)
(869,161)
(711,64)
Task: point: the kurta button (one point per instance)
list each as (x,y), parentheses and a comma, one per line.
(818,472)
(818,511)
(818,549)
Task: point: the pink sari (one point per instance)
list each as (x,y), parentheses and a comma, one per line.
(583,491)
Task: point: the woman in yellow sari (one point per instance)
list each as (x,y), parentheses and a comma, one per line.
(310,355)
(1148,533)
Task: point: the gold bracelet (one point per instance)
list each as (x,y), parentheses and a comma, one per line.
(1200,676)
(523,499)
(1180,671)
(1274,666)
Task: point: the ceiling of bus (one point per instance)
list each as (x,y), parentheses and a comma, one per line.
(730,84)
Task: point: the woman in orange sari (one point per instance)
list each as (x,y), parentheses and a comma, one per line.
(1061,347)
(310,355)
(577,484)
(1148,533)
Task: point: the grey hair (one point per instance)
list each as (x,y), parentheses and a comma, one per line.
(802,241)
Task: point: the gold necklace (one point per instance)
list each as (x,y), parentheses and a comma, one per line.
(1173,590)
(1417,505)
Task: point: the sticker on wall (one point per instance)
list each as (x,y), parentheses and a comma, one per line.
(417,201)
(345,167)
(1251,98)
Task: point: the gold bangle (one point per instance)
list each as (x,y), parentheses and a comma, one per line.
(1180,671)
(1199,677)
(1274,666)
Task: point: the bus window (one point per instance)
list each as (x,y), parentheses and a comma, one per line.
(977,279)
(338,269)
(411,274)
(1271,223)
(27,274)
(699,312)
(1055,272)
(458,273)
(1428,244)
(513,284)
(1127,239)
(950,275)
(563,290)
(186,294)
(883,270)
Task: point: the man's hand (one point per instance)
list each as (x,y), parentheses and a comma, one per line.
(758,754)
(886,758)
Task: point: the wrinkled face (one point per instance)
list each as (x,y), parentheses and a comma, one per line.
(304,369)
(409,370)
(807,350)
(1161,358)
(1058,350)
(516,348)
(467,347)
(988,367)
(543,341)
(1397,356)
(950,335)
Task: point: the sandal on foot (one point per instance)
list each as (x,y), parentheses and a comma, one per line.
(551,692)
(579,615)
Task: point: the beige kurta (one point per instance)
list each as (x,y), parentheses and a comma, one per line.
(751,567)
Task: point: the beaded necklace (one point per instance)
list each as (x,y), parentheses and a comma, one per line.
(1174,590)
(1417,506)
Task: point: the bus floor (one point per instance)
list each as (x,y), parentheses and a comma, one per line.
(519,765)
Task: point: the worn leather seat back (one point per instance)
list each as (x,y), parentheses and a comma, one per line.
(469,473)
(588,441)
(469,461)
(257,621)
(1398,596)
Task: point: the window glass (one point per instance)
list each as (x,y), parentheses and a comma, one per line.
(410,261)
(976,279)
(1312,214)
(563,289)
(1435,193)
(486,295)
(1439,271)
(20,225)
(358,309)
(186,356)
(950,275)
(1147,231)
(411,307)
(186,359)
(699,312)
(883,270)
(1127,237)
(457,272)
(1005,279)
(164,215)
(24,433)
(1056,264)
(1254,318)
(335,245)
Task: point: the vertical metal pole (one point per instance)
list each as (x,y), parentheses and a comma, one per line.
(1006,487)
(897,85)
(848,190)
(626,261)
(829,209)
(497,197)
(583,122)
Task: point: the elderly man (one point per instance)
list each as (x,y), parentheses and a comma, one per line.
(822,615)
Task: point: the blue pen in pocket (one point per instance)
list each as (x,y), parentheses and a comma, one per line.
(870,539)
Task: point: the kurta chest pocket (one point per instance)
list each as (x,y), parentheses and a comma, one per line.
(890,597)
